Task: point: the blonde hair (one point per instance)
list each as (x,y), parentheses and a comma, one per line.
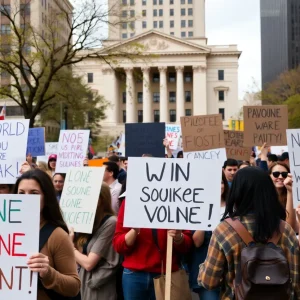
(44,167)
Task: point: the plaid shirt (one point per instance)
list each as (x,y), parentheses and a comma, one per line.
(223,258)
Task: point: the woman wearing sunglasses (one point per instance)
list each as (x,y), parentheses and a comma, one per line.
(282,179)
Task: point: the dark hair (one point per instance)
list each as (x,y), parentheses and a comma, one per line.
(253,192)
(272,157)
(60,174)
(112,167)
(123,158)
(230,162)
(114,158)
(180,154)
(147,155)
(51,211)
(224,196)
(244,163)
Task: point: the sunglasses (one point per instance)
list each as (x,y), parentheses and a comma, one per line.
(283,174)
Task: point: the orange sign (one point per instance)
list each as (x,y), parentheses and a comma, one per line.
(97,162)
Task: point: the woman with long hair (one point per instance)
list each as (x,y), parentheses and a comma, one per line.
(59,182)
(55,263)
(253,200)
(52,163)
(94,253)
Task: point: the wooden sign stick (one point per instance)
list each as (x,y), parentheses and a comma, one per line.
(169,268)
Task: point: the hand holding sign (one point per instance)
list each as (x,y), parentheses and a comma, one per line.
(39,263)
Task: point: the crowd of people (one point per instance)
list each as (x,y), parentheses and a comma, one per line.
(115,262)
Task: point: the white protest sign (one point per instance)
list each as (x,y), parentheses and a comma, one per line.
(173,134)
(50,148)
(72,149)
(173,194)
(13,146)
(278,150)
(293,138)
(215,154)
(80,197)
(19,238)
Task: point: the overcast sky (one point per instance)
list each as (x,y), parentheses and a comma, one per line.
(237,22)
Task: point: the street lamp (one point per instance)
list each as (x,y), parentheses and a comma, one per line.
(66,116)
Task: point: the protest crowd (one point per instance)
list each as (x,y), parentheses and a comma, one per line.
(247,249)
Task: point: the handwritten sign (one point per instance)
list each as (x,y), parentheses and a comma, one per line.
(215,154)
(50,148)
(201,133)
(13,144)
(173,133)
(265,124)
(145,138)
(97,162)
(80,197)
(234,142)
(293,138)
(173,193)
(36,141)
(72,148)
(19,238)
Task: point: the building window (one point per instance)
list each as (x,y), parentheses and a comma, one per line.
(140,97)
(124,2)
(182,23)
(154,24)
(221,96)
(161,2)
(144,2)
(156,116)
(155,77)
(190,1)
(124,35)
(132,2)
(183,34)
(188,96)
(154,2)
(222,112)
(172,115)
(124,13)
(171,12)
(132,25)
(171,1)
(5,9)
(5,29)
(154,12)
(171,24)
(188,112)
(156,97)
(171,33)
(124,25)
(220,74)
(124,97)
(172,96)
(144,24)
(132,13)
(132,34)
(172,77)
(182,1)
(190,23)
(25,9)
(188,77)
(190,11)
(144,12)
(90,77)
(124,116)
(183,11)
(140,116)
(14,111)
(161,12)
(191,33)
(161,24)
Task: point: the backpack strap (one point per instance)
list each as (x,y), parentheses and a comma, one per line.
(240,230)
(276,236)
(45,233)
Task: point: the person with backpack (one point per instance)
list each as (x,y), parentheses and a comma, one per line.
(253,252)
(55,262)
(95,255)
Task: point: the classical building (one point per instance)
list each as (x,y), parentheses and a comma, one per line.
(176,74)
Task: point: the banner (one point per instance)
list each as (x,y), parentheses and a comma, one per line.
(201,133)
(72,149)
(215,154)
(293,138)
(173,194)
(80,197)
(13,144)
(265,124)
(19,239)
(173,134)
(36,141)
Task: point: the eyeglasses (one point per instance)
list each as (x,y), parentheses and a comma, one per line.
(283,174)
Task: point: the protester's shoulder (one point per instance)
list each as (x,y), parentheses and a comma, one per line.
(58,234)
(112,220)
(288,234)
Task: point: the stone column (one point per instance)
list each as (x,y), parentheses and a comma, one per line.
(130,97)
(199,91)
(163,105)
(180,101)
(147,104)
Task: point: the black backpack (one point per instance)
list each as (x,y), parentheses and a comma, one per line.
(264,271)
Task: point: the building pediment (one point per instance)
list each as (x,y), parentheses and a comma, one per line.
(153,42)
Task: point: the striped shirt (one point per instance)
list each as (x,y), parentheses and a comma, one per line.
(224,252)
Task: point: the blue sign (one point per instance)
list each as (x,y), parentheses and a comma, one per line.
(36,141)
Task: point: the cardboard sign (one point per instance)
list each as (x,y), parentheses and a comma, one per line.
(145,138)
(265,124)
(215,154)
(36,141)
(80,197)
(97,162)
(13,144)
(293,138)
(173,194)
(234,142)
(173,134)
(201,133)
(72,148)
(50,148)
(19,239)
